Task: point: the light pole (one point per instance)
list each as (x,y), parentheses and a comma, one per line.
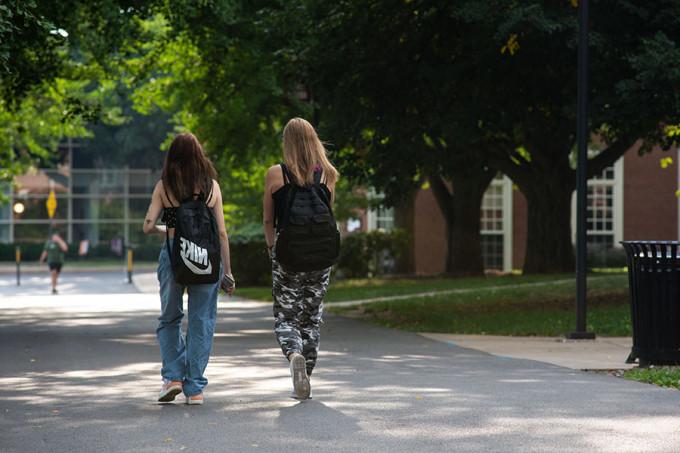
(581,175)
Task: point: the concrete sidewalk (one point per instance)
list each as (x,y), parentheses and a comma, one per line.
(604,353)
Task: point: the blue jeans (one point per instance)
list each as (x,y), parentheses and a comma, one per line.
(185,359)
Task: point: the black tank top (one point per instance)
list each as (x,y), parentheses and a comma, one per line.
(169,217)
(281,196)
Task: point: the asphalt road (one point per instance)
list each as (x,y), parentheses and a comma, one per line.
(80,374)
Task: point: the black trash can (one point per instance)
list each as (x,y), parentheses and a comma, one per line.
(654,282)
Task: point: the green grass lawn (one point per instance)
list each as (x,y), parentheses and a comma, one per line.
(357,289)
(662,376)
(493,305)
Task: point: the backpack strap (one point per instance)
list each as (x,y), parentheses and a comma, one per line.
(286,175)
(167,197)
(324,198)
(289,203)
(210,194)
(322,193)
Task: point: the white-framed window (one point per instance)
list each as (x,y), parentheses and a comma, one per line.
(380,218)
(604,208)
(496,224)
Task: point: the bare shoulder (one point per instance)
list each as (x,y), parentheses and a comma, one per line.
(158,188)
(215,185)
(216,193)
(274,171)
(274,179)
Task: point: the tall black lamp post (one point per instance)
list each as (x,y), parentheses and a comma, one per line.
(581,175)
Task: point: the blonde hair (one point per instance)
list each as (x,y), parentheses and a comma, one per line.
(303,152)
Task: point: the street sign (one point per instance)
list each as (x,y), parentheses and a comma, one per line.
(51,204)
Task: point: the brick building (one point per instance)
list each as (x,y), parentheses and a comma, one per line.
(633,199)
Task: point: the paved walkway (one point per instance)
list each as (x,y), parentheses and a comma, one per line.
(80,373)
(604,353)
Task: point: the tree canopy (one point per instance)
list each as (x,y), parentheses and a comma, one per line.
(407,92)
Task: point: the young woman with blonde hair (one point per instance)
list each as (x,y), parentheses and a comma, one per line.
(303,242)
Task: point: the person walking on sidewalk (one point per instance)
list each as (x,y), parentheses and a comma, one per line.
(188,194)
(53,252)
(303,243)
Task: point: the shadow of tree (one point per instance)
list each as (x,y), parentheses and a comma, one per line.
(85,373)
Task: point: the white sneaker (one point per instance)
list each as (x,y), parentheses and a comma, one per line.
(169,391)
(294,396)
(298,371)
(195,399)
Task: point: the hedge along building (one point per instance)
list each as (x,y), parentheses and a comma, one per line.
(633,199)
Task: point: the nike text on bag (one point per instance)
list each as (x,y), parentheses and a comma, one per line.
(309,239)
(195,254)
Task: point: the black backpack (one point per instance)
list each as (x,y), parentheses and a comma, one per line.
(195,255)
(308,238)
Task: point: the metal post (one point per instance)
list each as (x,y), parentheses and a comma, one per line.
(69,206)
(17,257)
(581,175)
(126,204)
(129,264)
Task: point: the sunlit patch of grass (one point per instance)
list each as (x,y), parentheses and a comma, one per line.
(661,376)
(359,289)
(541,310)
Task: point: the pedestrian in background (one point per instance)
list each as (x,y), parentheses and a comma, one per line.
(53,252)
(303,242)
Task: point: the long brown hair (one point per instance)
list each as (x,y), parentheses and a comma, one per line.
(187,168)
(303,152)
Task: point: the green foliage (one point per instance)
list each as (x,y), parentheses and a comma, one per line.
(661,376)
(606,257)
(31,130)
(439,87)
(211,65)
(55,63)
(39,39)
(250,262)
(371,254)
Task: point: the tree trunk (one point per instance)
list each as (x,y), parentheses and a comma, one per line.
(462,211)
(549,248)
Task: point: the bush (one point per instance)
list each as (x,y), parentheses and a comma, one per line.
(30,251)
(249,260)
(600,256)
(370,254)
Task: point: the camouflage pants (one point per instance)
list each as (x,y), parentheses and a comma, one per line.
(298,307)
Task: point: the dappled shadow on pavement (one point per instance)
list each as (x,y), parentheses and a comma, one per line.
(81,374)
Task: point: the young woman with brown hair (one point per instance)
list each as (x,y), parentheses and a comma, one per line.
(188,174)
(303,242)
